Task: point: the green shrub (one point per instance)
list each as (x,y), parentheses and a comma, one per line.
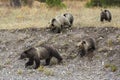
(93,3)
(57,3)
(103,3)
(111,2)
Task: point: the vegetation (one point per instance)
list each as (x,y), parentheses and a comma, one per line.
(50,3)
(28,2)
(39,16)
(19,71)
(57,3)
(110,42)
(111,66)
(103,3)
(46,71)
(41,68)
(1,66)
(14,41)
(7,62)
(41,0)
(15,3)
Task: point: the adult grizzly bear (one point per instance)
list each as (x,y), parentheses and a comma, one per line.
(69,17)
(39,53)
(59,23)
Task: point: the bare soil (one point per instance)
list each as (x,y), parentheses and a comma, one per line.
(91,67)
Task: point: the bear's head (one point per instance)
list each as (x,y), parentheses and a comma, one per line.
(27,54)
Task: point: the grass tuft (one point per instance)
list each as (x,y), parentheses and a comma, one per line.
(111,66)
(41,68)
(48,72)
(7,62)
(19,72)
(110,42)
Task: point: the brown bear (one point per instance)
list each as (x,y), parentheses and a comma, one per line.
(39,53)
(105,15)
(86,46)
(59,23)
(69,17)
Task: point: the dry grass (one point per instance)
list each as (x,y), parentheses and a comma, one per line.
(19,71)
(113,67)
(40,15)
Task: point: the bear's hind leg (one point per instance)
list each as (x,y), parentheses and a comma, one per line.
(47,61)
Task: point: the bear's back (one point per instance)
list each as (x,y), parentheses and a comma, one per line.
(42,52)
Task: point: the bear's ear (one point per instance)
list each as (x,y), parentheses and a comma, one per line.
(105,10)
(27,51)
(53,20)
(83,42)
(64,14)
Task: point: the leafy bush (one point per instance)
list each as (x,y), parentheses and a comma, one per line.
(57,3)
(103,3)
(111,2)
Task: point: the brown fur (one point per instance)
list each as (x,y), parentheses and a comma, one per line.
(69,17)
(86,46)
(39,53)
(105,15)
(59,23)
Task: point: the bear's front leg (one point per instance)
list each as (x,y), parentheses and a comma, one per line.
(37,62)
(30,62)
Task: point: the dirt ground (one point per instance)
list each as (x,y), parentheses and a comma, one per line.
(103,64)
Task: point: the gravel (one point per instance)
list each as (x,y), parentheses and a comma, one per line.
(14,42)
